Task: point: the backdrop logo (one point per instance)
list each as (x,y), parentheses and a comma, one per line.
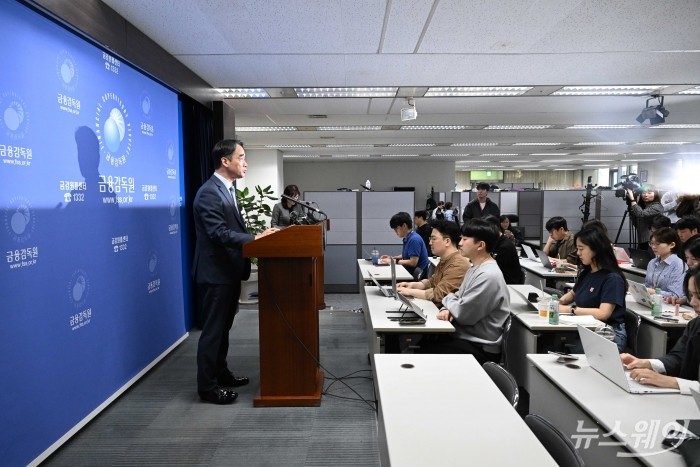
(152,262)
(66,70)
(78,288)
(113,129)
(13,115)
(146,104)
(171,152)
(20,219)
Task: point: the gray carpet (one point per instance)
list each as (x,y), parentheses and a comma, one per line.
(160,420)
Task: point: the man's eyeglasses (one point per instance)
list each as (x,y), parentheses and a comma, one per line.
(656,243)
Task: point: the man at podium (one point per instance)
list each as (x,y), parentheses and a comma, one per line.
(218,268)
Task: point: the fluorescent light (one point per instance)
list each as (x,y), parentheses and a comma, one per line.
(399,155)
(677,125)
(434,127)
(243,129)
(695,90)
(500,154)
(646,153)
(607,90)
(350,128)
(347,92)
(661,143)
(599,154)
(471,162)
(477,91)
(349,145)
(596,165)
(280,146)
(687,153)
(449,155)
(550,154)
(599,143)
(598,127)
(537,144)
(243,93)
(515,161)
(474,144)
(411,145)
(302,156)
(517,127)
(359,156)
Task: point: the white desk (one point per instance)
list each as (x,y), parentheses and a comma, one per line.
(377,320)
(653,335)
(568,397)
(446,411)
(526,331)
(632,273)
(381,273)
(535,272)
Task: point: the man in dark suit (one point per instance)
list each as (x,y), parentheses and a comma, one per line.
(218,268)
(482,205)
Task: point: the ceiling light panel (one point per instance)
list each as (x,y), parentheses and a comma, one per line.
(681,126)
(695,90)
(517,127)
(351,128)
(474,144)
(608,90)
(435,127)
(243,93)
(537,144)
(600,127)
(411,145)
(349,145)
(661,143)
(244,129)
(599,143)
(347,92)
(281,146)
(477,91)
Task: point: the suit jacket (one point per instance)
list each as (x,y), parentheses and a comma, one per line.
(683,359)
(473,210)
(221,233)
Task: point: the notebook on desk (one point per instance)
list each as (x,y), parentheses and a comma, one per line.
(639,258)
(386,290)
(604,357)
(530,254)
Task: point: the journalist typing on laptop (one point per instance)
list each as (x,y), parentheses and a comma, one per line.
(601,286)
(666,270)
(679,368)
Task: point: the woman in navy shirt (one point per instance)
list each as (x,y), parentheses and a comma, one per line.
(601,287)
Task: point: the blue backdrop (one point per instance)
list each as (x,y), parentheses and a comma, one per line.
(89,229)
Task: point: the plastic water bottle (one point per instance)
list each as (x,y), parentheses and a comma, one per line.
(368,184)
(375,256)
(657,300)
(554,310)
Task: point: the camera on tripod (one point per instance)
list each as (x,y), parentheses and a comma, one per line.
(628,182)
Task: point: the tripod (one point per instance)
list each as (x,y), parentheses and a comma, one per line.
(632,231)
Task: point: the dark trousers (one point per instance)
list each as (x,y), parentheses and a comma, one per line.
(451,345)
(219,307)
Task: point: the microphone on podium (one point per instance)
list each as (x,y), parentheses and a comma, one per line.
(304,204)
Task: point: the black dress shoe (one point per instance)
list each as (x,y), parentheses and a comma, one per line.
(230,381)
(219,396)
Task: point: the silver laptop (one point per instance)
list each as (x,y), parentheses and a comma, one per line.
(604,357)
(531,305)
(621,254)
(420,316)
(641,294)
(386,290)
(530,254)
(544,259)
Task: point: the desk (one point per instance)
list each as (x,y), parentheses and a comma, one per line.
(568,397)
(377,320)
(526,334)
(446,411)
(632,273)
(535,272)
(655,337)
(381,273)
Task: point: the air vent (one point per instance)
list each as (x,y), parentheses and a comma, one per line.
(318,116)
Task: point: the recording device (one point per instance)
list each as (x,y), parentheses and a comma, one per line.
(628,182)
(409,113)
(304,204)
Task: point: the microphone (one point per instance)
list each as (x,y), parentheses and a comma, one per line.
(304,204)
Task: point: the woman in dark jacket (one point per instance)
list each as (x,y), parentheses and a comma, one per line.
(642,213)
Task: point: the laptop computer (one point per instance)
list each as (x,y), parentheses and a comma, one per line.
(640,293)
(530,254)
(518,292)
(621,255)
(386,290)
(604,357)
(420,316)
(639,258)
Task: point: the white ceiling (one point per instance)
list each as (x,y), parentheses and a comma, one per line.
(547,44)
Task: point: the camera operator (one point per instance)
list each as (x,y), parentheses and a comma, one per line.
(643,212)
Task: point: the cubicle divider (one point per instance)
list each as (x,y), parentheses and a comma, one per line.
(564,203)
(530,213)
(509,202)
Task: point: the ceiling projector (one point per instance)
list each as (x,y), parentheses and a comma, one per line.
(408,113)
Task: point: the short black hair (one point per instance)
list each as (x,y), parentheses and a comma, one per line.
(482,231)
(448,229)
(659,221)
(667,235)
(595,224)
(483,186)
(556,223)
(421,213)
(224,148)
(493,220)
(399,219)
(689,222)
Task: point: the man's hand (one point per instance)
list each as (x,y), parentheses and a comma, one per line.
(267,232)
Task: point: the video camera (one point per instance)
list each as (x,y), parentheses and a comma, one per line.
(628,182)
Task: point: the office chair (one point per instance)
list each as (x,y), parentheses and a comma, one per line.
(632,323)
(505,382)
(417,274)
(557,444)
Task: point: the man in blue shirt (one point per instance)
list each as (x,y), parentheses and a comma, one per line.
(414,254)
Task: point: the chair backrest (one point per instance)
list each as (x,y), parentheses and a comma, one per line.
(417,273)
(504,380)
(504,342)
(555,442)
(632,323)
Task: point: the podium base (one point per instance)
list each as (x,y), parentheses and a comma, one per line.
(309,400)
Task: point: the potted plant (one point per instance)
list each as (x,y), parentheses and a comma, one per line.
(255,213)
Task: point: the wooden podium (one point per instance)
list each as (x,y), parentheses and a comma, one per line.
(290,290)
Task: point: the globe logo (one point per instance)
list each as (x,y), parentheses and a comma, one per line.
(66,70)
(78,288)
(152,262)
(114,130)
(146,104)
(20,219)
(13,116)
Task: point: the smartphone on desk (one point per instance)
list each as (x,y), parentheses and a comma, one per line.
(563,355)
